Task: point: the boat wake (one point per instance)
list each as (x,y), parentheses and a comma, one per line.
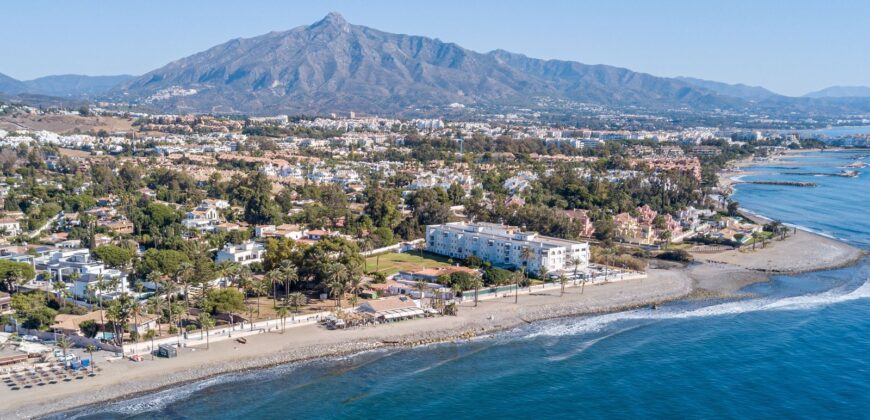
(600,323)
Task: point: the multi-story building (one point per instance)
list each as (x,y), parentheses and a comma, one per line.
(504,246)
(245,253)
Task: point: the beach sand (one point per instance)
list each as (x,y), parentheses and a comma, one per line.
(800,252)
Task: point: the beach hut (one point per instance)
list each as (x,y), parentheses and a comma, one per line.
(167,351)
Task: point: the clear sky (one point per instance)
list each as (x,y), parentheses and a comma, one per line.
(791,47)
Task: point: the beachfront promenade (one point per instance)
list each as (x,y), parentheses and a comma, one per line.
(198,339)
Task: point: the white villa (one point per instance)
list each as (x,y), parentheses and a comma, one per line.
(503,246)
(245,253)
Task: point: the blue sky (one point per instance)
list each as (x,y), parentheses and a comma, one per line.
(791,47)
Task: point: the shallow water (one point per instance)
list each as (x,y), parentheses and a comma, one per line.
(799,350)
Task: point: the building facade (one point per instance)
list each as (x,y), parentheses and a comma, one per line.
(245,253)
(504,246)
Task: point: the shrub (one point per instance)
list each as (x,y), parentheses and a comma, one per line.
(675,255)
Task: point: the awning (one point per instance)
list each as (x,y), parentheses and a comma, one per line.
(401,313)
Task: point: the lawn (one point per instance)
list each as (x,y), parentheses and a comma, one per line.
(393,262)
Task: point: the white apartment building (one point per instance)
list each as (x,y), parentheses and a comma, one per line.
(503,246)
(245,253)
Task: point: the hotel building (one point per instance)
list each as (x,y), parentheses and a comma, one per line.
(503,246)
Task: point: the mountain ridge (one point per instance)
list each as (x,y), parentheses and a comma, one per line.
(841,92)
(737,90)
(332,65)
(63,85)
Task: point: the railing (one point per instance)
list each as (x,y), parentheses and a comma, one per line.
(237,330)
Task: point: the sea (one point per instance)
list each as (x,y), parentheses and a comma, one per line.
(800,349)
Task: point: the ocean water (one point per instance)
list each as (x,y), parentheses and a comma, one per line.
(799,350)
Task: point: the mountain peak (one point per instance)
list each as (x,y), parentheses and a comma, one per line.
(319,68)
(333,19)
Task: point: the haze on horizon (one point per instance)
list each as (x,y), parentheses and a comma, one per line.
(788,47)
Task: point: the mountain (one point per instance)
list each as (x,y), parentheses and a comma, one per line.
(11,86)
(73,85)
(332,65)
(841,92)
(750,93)
(63,86)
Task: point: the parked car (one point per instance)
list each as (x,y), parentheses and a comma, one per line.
(31,338)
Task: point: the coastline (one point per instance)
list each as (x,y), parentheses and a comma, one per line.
(713,276)
(122,379)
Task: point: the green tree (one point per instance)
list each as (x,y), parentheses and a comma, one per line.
(206,322)
(89,328)
(260,208)
(281,311)
(228,301)
(114,256)
(14,274)
(296,299)
(91,349)
(32,310)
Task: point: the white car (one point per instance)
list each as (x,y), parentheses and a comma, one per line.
(31,338)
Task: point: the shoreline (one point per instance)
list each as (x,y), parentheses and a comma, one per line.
(712,276)
(306,343)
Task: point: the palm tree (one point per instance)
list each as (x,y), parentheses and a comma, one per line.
(231,272)
(542,274)
(517,277)
(61,290)
(289,274)
(563,280)
(119,313)
(206,322)
(337,275)
(91,349)
(250,309)
(150,336)
(526,255)
(274,277)
(100,286)
(356,285)
(169,287)
(281,311)
(576,263)
(136,310)
(296,299)
(259,287)
(476,284)
(64,345)
(155,306)
(184,275)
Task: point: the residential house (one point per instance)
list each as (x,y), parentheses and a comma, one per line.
(581,217)
(246,253)
(10,227)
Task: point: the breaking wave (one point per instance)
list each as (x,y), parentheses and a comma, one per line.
(600,323)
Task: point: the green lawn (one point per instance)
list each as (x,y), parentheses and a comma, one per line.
(393,262)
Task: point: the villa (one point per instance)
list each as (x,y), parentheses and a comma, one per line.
(246,253)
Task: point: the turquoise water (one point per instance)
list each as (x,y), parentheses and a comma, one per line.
(799,350)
